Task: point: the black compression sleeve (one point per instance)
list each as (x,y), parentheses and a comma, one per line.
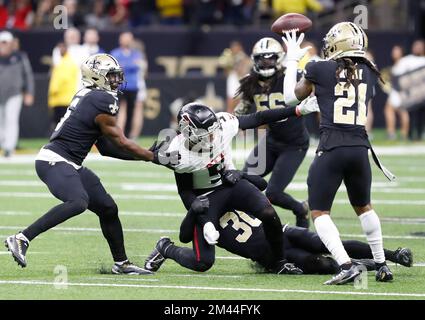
(108,149)
(257,119)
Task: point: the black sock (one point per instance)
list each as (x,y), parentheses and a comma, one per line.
(55,216)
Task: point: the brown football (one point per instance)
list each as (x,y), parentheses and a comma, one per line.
(291,21)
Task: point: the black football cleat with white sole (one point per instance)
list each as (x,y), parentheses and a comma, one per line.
(384,274)
(285,267)
(18,248)
(404,256)
(155,260)
(129,268)
(344,276)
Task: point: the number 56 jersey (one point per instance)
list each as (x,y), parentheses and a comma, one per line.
(204,167)
(77,131)
(343,106)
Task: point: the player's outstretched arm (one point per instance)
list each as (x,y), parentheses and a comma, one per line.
(108,149)
(110,129)
(260,118)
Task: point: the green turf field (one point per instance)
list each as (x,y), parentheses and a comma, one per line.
(150,208)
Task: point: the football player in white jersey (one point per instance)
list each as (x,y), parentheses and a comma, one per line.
(206,168)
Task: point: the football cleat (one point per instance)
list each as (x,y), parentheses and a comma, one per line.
(130,269)
(284,267)
(404,256)
(384,274)
(18,248)
(155,260)
(302,219)
(211,234)
(344,276)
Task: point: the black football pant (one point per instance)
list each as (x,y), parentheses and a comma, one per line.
(330,168)
(305,249)
(79,190)
(283,163)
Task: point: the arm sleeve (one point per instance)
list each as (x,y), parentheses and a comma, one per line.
(28,75)
(108,149)
(257,119)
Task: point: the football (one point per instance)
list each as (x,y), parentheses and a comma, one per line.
(291,21)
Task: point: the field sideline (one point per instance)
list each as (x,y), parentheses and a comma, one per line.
(150,207)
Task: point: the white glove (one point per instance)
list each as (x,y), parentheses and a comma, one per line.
(293,50)
(211,235)
(307,106)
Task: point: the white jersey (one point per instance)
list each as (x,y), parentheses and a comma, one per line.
(205,166)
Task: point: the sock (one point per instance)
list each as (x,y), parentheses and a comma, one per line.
(21,236)
(329,235)
(372,228)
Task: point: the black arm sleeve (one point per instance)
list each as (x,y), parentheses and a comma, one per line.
(108,149)
(257,119)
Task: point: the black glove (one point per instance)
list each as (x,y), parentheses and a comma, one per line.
(162,157)
(232,177)
(200,204)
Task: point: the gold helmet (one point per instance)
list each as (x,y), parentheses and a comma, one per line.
(267,55)
(102,71)
(345,39)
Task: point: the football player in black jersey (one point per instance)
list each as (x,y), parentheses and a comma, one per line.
(286,142)
(243,234)
(344,84)
(90,119)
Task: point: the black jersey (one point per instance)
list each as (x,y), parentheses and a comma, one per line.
(77,131)
(343,107)
(242,234)
(287,132)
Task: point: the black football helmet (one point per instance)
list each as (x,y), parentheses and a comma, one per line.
(199,124)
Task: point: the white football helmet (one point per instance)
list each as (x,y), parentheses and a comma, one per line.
(102,71)
(345,39)
(267,55)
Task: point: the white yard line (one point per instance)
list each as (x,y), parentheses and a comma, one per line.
(206,288)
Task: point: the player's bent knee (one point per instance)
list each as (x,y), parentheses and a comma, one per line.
(204,266)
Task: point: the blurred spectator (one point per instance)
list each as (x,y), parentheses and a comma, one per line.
(236,64)
(239,12)
(98,17)
(44,15)
(142,12)
(16,14)
(130,59)
(119,12)
(170,11)
(91,43)
(17,87)
(281,7)
(75,18)
(408,63)
(390,111)
(207,12)
(63,84)
(72,39)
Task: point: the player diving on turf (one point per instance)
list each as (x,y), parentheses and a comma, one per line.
(90,120)
(206,168)
(343,83)
(243,234)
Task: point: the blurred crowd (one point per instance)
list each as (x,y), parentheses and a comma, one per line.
(103,14)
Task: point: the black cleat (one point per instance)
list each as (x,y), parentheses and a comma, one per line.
(344,276)
(155,260)
(404,256)
(384,274)
(285,267)
(18,248)
(302,218)
(130,269)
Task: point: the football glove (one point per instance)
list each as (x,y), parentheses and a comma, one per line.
(307,106)
(293,49)
(162,157)
(232,177)
(200,204)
